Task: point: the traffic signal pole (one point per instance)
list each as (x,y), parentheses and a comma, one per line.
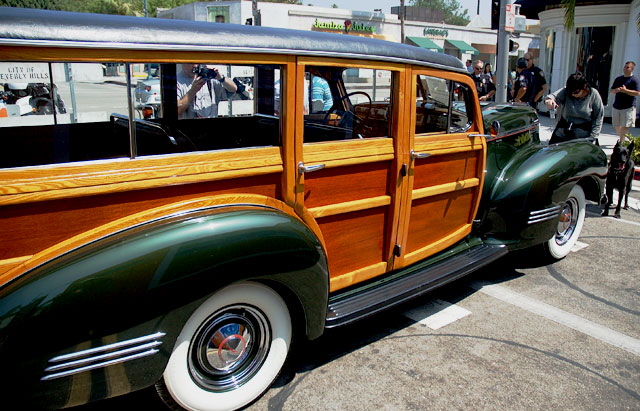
(502,60)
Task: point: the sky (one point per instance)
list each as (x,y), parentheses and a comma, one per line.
(385,5)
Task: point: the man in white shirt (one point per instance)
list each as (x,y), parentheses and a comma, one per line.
(198,96)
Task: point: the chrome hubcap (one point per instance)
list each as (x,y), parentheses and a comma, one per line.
(229,348)
(567,221)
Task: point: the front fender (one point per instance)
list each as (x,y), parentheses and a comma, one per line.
(535,179)
(146,280)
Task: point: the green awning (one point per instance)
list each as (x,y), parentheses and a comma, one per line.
(425,43)
(463,47)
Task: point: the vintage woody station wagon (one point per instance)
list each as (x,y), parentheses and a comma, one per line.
(143,247)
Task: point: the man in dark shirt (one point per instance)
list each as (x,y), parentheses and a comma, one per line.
(523,85)
(484,85)
(539,82)
(625,88)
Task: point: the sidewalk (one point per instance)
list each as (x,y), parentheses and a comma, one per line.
(608,138)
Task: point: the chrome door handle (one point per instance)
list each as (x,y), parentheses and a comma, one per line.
(309,169)
(415,155)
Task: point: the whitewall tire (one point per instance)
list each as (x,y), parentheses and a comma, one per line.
(230,350)
(569,226)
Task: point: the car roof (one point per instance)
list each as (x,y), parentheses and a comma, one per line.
(35,27)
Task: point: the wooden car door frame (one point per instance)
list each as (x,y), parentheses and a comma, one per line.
(351,187)
(445,178)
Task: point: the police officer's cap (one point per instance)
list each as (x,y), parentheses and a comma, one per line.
(522,63)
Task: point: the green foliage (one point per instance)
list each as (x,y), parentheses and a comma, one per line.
(569,7)
(636,147)
(453,12)
(122,7)
(32,4)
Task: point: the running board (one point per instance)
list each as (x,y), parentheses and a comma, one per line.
(355,304)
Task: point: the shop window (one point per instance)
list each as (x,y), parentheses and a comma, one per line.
(218,14)
(344,104)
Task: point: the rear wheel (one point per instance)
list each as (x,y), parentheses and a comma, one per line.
(569,225)
(230,350)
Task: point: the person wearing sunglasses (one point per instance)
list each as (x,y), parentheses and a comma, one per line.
(580,110)
(485,87)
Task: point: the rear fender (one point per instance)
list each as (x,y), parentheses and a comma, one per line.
(149,279)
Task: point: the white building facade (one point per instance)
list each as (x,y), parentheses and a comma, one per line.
(461,42)
(605,36)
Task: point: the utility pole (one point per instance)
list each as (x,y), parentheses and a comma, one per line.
(502,60)
(402,21)
(256,13)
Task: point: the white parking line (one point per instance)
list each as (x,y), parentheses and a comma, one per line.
(436,314)
(579,246)
(559,316)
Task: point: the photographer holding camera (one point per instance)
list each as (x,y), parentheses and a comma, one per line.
(195,100)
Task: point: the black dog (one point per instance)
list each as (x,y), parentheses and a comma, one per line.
(620,176)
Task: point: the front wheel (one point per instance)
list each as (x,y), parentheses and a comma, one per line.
(569,226)
(230,350)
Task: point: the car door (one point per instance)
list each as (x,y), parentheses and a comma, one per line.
(347,161)
(446,163)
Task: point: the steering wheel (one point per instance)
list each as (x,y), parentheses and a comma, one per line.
(348,115)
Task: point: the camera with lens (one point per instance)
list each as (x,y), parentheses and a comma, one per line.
(203,71)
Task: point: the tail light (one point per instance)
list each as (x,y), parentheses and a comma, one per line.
(147,112)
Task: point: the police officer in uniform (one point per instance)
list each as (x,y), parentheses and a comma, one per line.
(539,82)
(523,86)
(485,87)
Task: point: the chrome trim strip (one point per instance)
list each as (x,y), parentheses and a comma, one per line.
(110,347)
(120,353)
(546,214)
(99,365)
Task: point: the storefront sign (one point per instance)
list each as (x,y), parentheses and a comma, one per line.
(347,26)
(435,33)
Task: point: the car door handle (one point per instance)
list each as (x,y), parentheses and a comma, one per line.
(415,155)
(309,169)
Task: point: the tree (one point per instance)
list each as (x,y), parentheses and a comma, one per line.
(123,7)
(453,12)
(31,4)
(569,7)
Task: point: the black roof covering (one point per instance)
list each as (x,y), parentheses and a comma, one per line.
(34,26)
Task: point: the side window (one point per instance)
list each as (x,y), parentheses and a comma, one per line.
(461,106)
(441,106)
(222,106)
(68,112)
(60,113)
(346,103)
(432,105)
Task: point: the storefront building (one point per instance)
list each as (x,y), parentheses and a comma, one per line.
(461,42)
(604,37)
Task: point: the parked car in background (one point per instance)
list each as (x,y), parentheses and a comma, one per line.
(188,253)
(148,97)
